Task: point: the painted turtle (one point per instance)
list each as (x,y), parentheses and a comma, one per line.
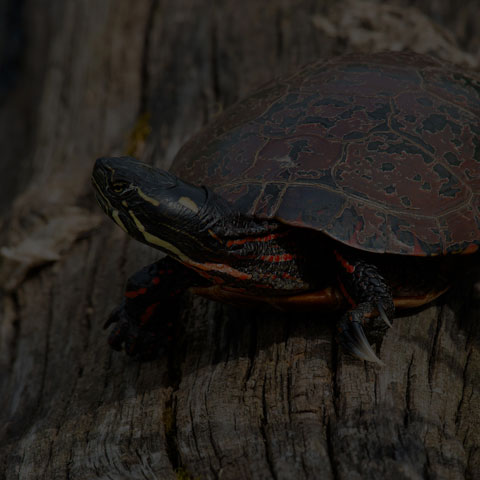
(328,189)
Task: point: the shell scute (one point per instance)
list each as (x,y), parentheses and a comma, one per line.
(380,152)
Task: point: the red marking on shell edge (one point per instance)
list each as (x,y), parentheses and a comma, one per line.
(417,249)
(347,266)
(470,249)
(136,293)
(358,228)
(156,280)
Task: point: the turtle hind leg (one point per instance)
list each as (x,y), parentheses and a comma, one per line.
(372,306)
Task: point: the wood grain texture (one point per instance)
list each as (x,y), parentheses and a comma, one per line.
(243,394)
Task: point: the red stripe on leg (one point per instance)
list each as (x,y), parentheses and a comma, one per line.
(347,266)
(136,293)
(148,313)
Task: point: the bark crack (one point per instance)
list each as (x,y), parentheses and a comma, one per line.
(279,44)
(408,398)
(331,451)
(145,74)
(334,370)
(252,351)
(170,412)
(263,431)
(214,69)
(433,353)
(170,424)
(212,439)
(458,413)
(16,328)
(48,328)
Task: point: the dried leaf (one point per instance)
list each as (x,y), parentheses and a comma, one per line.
(44,245)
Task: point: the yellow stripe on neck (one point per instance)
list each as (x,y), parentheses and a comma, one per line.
(154,240)
(189,203)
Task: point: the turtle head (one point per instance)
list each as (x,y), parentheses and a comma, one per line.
(152,205)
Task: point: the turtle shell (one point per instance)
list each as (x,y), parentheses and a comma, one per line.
(380,152)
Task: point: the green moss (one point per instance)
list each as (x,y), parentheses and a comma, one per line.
(169,421)
(182,474)
(139,135)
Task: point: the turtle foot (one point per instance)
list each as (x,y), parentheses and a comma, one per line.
(143,343)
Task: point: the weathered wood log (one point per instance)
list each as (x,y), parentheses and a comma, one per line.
(243,394)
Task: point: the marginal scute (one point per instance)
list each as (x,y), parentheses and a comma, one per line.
(380,152)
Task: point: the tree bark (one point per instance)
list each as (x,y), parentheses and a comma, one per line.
(243,394)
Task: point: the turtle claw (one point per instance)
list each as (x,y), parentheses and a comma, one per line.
(383,315)
(355,341)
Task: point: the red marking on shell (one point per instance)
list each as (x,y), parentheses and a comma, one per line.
(156,280)
(136,293)
(358,229)
(470,249)
(417,249)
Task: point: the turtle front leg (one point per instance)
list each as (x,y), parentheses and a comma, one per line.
(372,306)
(144,321)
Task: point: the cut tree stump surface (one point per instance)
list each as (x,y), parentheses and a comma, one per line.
(243,394)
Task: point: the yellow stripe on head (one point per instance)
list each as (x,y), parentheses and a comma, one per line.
(118,221)
(148,199)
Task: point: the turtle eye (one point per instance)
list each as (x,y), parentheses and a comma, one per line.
(119,187)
